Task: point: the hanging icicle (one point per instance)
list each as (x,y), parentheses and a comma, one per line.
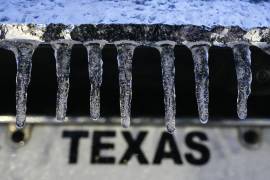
(124,58)
(23,51)
(168,76)
(242,59)
(201,71)
(62,52)
(94,52)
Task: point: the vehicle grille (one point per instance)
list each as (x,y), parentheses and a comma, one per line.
(23,40)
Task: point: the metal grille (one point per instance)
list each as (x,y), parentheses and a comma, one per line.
(22,40)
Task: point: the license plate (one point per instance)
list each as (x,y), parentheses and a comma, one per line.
(81,151)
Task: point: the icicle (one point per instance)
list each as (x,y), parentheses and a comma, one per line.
(124,58)
(94,51)
(168,76)
(201,71)
(242,61)
(23,53)
(62,52)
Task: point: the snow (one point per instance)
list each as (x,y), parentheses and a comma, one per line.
(245,13)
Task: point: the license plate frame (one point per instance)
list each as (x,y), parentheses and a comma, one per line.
(219,150)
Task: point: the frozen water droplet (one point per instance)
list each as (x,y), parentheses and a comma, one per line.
(62,52)
(242,61)
(201,71)
(124,58)
(168,76)
(170,127)
(23,51)
(95,63)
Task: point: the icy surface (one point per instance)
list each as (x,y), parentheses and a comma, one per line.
(245,13)
(242,60)
(62,53)
(168,74)
(124,57)
(95,63)
(23,54)
(201,71)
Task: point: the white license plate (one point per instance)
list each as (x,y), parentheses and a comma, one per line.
(109,152)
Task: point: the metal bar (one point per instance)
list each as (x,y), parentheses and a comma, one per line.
(84,120)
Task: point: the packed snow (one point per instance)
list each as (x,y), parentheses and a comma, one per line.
(245,13)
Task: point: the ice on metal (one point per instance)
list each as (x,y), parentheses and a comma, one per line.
(94,51)
(62,52)
(124,58)
(201,72)
(23,51)
(242,59)
(168,76)
(23,54)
